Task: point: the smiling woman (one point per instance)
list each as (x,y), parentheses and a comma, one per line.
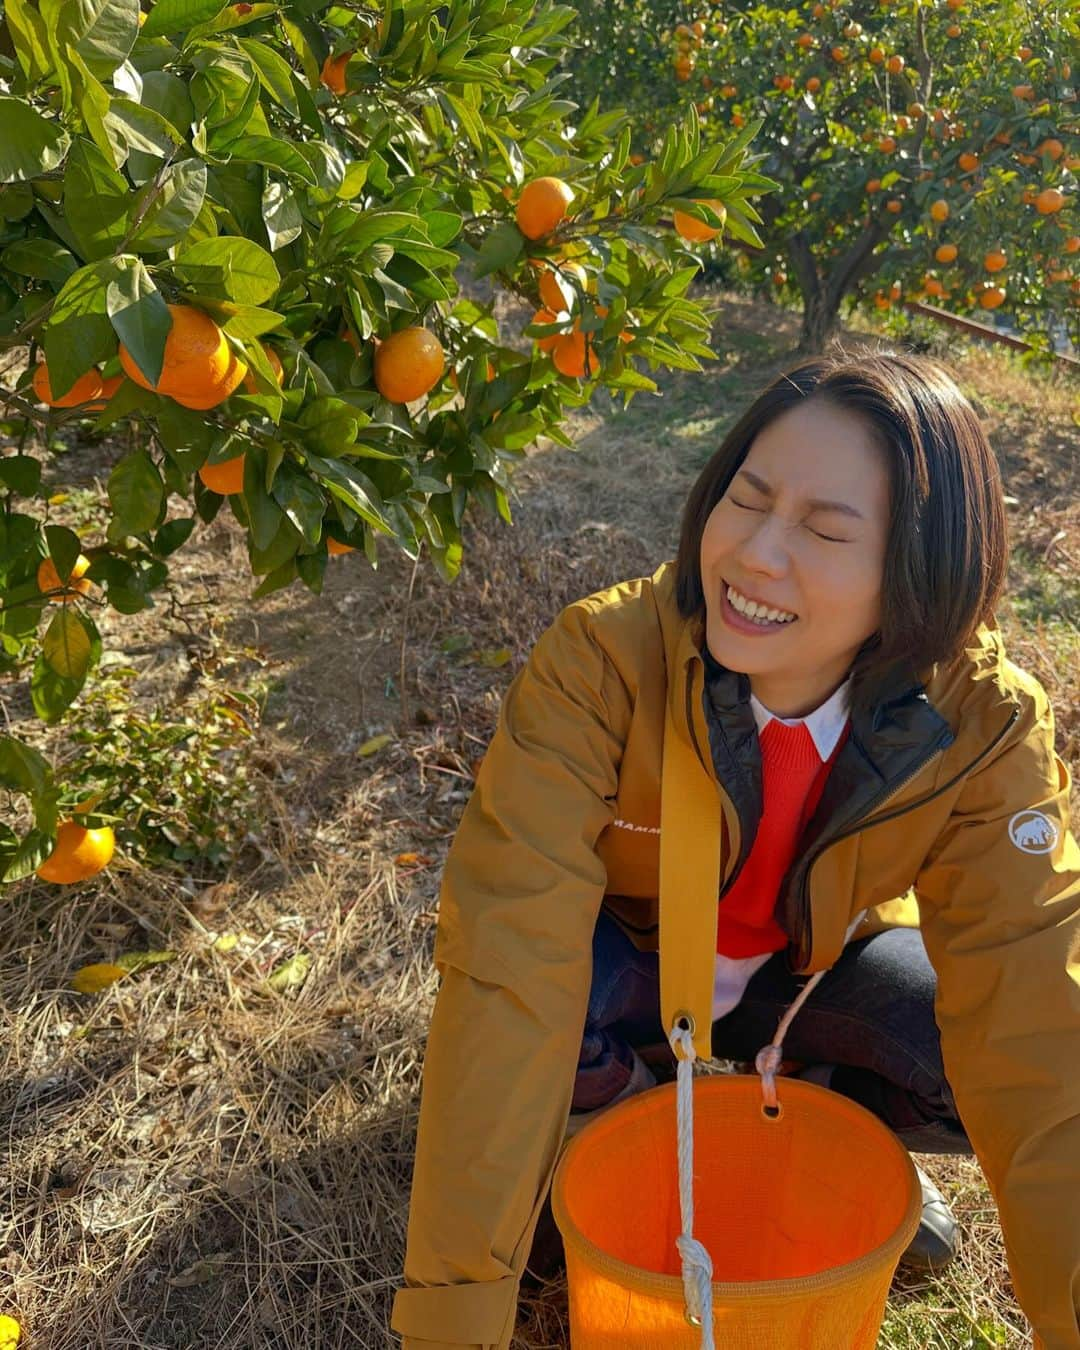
(862,497)
(797,748)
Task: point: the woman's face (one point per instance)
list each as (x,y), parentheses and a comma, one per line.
(823,563)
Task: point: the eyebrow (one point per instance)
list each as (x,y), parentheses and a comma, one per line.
(815,503)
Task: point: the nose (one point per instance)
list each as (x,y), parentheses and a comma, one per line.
(764,548)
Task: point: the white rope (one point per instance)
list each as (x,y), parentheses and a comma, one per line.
(769,1057)
(696,1262)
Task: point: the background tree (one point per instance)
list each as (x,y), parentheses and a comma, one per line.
(237,234)
(926,150)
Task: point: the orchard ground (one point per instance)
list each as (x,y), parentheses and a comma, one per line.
(196,1160)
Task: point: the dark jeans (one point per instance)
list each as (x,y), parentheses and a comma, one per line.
(872,1014)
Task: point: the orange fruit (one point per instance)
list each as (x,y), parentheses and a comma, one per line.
(894,205)
(968,161)
(894,65)
(939,210)
(953,30)
(874,185)
(200,369)
(738,120)
(333,72)
(805,40)
(1072,244)
(275,366)
(696,231)
(991,297)
(813,84)
(79,853)
(408,364)
(995,260)
(887,145)
(1048,201)
(916,110)
(551,293)
(946,253)
(225,478)
(545,316)
(877,55)
(108,388)
(839,54)
(728,90)
(542,205)
(573,355)
(1024,91)
(48,579)
(933,286)
(85,389)
(335,548)
(1024,53)
(624,336)
(852,30)
(779,279)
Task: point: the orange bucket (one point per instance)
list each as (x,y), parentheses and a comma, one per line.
(804,1215)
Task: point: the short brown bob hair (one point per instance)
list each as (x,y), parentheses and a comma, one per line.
(947,547)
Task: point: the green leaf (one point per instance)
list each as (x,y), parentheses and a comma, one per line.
(30,38)
(20,474)
(171,207)
(353,488)
(264,514)
(52,694)
(67,643)
(79,333)
(22,769)
(141,129)
(173,535)
(234,268)
(29,145)
(175,16)
(301,500)
(97,201)
(101,31)
(249,321)
(42,259)
(140,317)
(502,246)
(136,492)
(281,214)
(132,962)
(273,154)
(274,72)
(64,548)
(21,859)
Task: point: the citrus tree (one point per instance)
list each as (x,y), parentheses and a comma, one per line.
(926,150)
(247,236)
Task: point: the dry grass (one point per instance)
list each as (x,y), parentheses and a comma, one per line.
(193,1160)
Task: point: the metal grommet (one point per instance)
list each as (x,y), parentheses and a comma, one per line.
(692,1318)
(772,1112)
(685,1022)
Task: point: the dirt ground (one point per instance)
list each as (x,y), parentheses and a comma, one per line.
(195,1160)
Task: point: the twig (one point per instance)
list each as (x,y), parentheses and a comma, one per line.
(404,718)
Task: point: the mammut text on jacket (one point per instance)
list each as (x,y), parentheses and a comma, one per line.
(946,809)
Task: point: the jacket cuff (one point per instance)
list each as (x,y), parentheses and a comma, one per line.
(460,1315)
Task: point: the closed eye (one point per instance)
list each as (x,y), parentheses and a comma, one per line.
(828,537)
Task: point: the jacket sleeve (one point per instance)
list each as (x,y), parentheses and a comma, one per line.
(999,901)
(519,900)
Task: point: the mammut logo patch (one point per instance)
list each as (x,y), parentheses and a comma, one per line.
(1032,832)
(638,829)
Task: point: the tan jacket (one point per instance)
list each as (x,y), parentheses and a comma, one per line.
(947,810)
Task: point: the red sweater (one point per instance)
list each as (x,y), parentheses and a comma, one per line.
(793,779)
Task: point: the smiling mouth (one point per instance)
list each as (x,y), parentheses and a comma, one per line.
(727,585)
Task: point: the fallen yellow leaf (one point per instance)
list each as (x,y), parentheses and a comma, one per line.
(225,943)
(94,978)
(374,744)
(10,1331)
(290,974)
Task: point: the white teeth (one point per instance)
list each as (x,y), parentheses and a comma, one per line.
(752,610)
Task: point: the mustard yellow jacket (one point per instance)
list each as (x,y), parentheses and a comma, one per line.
(947,809)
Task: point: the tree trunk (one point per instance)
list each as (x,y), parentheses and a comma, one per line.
(820,322)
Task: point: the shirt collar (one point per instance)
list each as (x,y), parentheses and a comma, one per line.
(825,724)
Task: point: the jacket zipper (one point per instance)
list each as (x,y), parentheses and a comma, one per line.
(806,936)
